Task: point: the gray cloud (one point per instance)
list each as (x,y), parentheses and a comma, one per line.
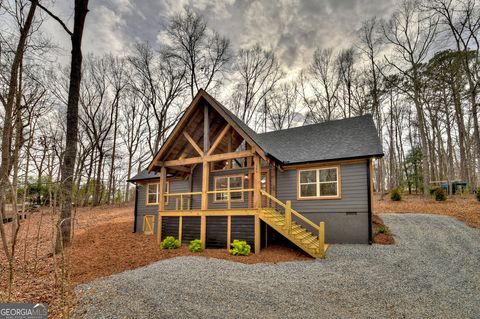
(292,28)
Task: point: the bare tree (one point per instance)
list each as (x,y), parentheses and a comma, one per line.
(11,107)
(257,73)
(117,76)
(97,115)
(346,71)
(324,82)
(133,126)
(203,52)
(284,110)
(68,163)
(462,20)
(160,84)
(370,45)
(411,33)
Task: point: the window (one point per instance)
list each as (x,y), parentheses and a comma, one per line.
(153,192)
(318,183)
(229,183)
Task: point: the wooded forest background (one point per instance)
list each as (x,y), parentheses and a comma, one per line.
(416,72)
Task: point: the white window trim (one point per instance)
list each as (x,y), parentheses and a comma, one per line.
(216,178)
(317,183)
(167,190)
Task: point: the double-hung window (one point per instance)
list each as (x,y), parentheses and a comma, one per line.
(153,196)
(319,183)
(229,183)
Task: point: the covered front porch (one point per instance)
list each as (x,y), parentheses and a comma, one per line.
(224,181)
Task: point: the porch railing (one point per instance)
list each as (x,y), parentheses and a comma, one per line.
(183,201)
(179,199)
(289,211)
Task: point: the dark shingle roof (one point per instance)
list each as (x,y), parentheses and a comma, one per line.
(144,175)
(341,139)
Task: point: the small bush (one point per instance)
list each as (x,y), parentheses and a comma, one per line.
(432,190)
(396,195)
(170,243)
(383,230)
(440,195)
(195,246)
(239,248)
(478,194)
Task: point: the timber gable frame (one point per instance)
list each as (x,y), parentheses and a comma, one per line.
(209,157)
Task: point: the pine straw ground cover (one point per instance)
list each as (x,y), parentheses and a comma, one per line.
(465,208)
(103,245)
(38,276)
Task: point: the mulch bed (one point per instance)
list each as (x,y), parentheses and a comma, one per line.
(465,208)
(110,249)
(381,238)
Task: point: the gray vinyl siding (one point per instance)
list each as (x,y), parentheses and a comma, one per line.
(143,209)
(354,191)
(177,186)
(346,219)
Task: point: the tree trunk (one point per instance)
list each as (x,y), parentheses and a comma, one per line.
(111,190)
(5,165)
(98,180)
(67,167)
(423,135)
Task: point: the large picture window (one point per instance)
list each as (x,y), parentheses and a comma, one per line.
(234,182)
(153,191)
(319,183)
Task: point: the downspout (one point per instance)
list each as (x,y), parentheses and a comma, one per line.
(135,210)
(369,188)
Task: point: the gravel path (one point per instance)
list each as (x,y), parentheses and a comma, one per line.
(432,272)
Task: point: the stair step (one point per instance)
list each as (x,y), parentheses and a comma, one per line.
(310,241)
(298,234)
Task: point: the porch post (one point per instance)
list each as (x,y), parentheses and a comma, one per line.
(257,199)
(161,202)
(257,174)
(203,218)
(205,175)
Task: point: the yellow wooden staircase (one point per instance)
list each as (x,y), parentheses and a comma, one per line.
(314,245)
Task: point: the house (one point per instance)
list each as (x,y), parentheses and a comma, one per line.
(217,180)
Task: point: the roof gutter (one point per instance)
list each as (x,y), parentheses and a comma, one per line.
(333,159)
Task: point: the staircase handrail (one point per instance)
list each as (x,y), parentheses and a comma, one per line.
(294,212)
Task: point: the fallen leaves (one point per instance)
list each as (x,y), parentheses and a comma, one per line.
(465,208)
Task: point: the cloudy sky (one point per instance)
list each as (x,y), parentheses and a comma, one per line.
(292,28)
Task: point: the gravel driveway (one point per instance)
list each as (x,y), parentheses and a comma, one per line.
(432,272)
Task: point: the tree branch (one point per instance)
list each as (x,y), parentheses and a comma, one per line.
(50,13)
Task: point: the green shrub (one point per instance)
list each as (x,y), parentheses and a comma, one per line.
(432,190)
(396,195)
(440,195)
(195,246)
(478,194)
(383,230)
(239,248)
(170,243)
